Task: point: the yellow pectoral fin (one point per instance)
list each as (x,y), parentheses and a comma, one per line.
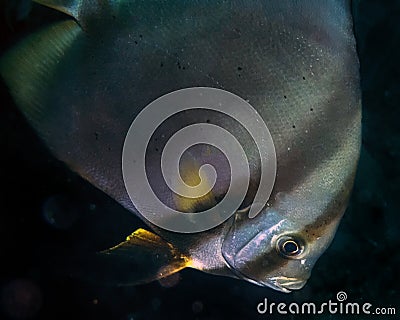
(142,258)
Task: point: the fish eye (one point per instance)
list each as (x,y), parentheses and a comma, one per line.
(289,246)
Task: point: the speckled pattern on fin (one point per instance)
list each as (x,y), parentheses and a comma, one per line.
(28,68)
(145,256)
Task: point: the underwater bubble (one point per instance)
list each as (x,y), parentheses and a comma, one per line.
(134,316)
(392,95)
(170,281)
(156,303)
(197,306)
(60,211)
(16,10)
(21,299)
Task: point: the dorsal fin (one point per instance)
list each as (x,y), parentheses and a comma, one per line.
(88,11)
(69,7)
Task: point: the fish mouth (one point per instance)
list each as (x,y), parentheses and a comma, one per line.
(282,284)
(285,284)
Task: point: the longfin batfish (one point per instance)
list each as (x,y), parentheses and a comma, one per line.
(82,81)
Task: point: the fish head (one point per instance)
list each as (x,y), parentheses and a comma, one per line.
(280,247)
(317,138)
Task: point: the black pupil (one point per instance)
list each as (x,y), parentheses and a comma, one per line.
(290,247)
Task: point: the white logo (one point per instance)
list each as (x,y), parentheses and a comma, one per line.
(152,116)
(341,296)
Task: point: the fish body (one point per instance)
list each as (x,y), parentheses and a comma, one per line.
(81,82)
